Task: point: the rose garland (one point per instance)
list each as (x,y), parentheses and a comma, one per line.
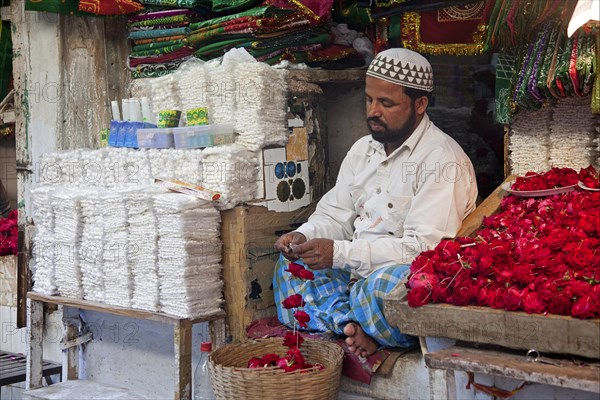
(294,359)
(539,255)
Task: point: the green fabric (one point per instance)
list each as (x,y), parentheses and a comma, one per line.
(160,21)
(150,74)
(177,3)
(70,7)
(505,71)
(231,5)
(544,68)
(253,12)
(562,68)
(156,45)
(584,65)
(158,51)
(5,58)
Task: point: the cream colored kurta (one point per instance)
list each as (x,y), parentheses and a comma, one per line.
(385,210)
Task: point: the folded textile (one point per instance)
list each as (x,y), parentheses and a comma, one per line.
(157,33)
(177,3)
(180,54)
(110,7)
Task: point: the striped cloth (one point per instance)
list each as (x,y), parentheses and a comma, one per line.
(332,303)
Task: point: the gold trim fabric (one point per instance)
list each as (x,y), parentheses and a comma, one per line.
(411,39)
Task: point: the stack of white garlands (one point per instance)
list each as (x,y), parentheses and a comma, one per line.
(142,248)
(572,134)
(189,253)
(260,118)
(529,141)
(92,244)
(42,265)
(66,236)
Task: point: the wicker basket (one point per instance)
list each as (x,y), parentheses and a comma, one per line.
(232,380)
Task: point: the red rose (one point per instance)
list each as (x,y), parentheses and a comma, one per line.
(298,271)
(255,362)
(306,275)
(513,299)
(295,356)
(499,300)
(293,339)
(464,291)
(422,263)
(580,259)
(532,304)
(579,288)
(419,297)
(557,238)
(560,304)
(485,297)
(590,177)
(440,294)
(423,279)
(302,318)
(523,273)
(585,307)
(293,301)
(269,359)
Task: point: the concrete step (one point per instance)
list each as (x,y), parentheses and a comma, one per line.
(81,389)
(409,379)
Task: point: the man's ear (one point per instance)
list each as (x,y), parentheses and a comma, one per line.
(421,104)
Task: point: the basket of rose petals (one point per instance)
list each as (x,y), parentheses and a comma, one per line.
(275,368)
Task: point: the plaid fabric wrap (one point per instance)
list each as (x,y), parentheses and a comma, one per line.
(331,303)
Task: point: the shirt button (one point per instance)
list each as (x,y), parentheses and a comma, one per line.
(378,190)
(384,163)
(391,233)
(390,205)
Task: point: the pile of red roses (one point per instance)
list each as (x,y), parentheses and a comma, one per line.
(294,359)
(539,255)
(555,178)
(9,234)
(590,177)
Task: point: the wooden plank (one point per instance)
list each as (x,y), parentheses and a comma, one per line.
(325,76)
(492,362)
(183,360)
(118,78)
(116,310)
(35,322)
(70,356)
(512,329)
(83,98)
(490,206)
(218,333)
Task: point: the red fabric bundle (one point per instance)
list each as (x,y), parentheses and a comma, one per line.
(110,7)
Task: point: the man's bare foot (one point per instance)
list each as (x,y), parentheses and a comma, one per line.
(358,341)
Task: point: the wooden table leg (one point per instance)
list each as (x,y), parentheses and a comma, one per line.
(35,323)
(183,360)
(218,333)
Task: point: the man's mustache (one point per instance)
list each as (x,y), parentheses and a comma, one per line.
(377,121)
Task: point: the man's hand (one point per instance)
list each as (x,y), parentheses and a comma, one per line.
(316,253)
(287,242)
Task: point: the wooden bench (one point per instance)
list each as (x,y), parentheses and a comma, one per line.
(563,373)
(13,368)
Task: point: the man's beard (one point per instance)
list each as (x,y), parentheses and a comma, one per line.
(393,135)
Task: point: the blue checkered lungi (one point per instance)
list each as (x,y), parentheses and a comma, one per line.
(332,303)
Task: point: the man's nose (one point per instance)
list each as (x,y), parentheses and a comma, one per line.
(374,110)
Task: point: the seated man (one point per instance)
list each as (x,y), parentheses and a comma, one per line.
(400,190)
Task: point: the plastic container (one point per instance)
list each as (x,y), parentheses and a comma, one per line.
(202,384)
(192,137)
(156,138)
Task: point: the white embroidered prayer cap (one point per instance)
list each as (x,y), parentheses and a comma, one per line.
(403,67)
